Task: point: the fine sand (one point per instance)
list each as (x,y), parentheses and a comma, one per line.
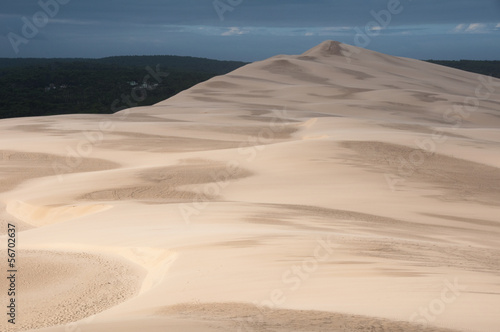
(337,190)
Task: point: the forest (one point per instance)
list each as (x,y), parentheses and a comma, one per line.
(489,68)
(38,87)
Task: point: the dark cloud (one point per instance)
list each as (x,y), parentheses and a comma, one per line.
(99,27)
(267,12)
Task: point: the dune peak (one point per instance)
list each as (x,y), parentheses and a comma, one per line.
(326,49)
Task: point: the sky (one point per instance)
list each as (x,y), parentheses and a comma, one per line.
(248,30)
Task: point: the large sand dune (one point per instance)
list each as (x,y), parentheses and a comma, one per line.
(337,190)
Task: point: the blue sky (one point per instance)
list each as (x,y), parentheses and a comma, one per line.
(248,30)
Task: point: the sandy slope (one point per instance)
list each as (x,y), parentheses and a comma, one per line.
(337,190)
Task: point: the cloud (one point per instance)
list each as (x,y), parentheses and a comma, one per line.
(476,27)
(337,29)
(74,21)
(271,13)
(101,28)
(459,28)
(472,28)
(234,31)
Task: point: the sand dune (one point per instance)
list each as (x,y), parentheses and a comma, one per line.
(337,190)
(21,166)
(61,287)
(458,179)
(165,184)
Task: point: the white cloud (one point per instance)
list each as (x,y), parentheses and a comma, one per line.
(475,27)
(73,21)
(336,29)
(459,28)
(233,31)
(472,28)
(498,25)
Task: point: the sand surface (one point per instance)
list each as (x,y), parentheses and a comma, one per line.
(337,190)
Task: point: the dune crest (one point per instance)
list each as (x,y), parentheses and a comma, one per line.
(325,49)
(46,215)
